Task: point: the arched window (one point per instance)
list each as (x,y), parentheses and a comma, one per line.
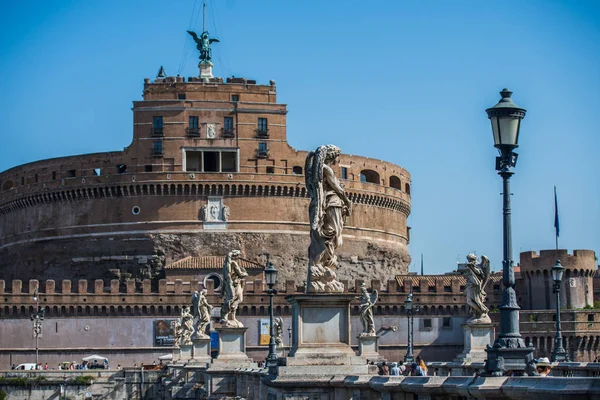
(369,176)
(407,188)
(395,182)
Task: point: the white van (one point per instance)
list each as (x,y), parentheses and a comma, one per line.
(26,366)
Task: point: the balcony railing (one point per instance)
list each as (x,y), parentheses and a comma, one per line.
(262,132)
(157,131)
(262,153)
(228,133)
(192,131)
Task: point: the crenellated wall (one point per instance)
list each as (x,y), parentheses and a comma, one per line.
(577,284)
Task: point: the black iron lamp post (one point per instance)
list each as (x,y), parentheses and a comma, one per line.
(271,278)
(289,339)
(408,305)
(509,351)
(559,354)
(37,319)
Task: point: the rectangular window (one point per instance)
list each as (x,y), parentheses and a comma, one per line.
(270,170)
(228,161)
(447,289)
(228,126)
(446,322)
(417,289)
(211,161)
(181,96)
(590,317)
(148,168)
(53,175)
(427,323)
(235,97)
(194,122)
(431,289)
(157,147)
(71,173)
(36,178)
(157,125)
(262,148)
(263,127)
(496,288)
(344,173)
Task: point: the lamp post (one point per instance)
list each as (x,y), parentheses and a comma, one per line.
(289,339)
(408,305)
(509,350)
(271,278)
(559,354)
(37,319)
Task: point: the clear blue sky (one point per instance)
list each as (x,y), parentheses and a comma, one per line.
(403,81)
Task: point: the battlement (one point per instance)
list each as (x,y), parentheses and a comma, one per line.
(433,284)
(581,260)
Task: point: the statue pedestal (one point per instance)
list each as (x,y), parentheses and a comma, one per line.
(368,348)
(232,345)
(476,337)
(201,351)
(321,336)
(185,352)
(205,70)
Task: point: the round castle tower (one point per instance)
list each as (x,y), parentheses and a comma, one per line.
(577,284)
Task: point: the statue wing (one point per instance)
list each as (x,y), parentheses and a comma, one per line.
(213,40)
(196,39)
(374,297)
(485,267)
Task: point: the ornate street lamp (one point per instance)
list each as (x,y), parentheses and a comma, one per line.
(271,278)
(408,305)
(509,350)
(559,354)
(37,319)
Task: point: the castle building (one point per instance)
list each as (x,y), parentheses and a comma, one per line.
(209,170)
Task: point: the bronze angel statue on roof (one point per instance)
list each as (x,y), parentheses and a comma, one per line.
(203,44)
(477,276)
(328,208)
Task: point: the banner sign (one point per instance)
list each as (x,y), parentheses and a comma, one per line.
(264,331)
(164,332)
(214,340)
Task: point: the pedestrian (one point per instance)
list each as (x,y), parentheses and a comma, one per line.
(46,367)
(421,368)
(119,367)
(543,366)
(395,370)
(402,367)
(385,370)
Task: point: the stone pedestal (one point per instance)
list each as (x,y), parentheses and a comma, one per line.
(232,345)
(368,348)
(321,336)
(205,69)
(476,338)
(201,351)
(185,352)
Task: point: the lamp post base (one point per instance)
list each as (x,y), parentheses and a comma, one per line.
(560,356)
(504,360)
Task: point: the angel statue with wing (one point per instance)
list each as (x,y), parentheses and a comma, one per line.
(367,301)
(203,44)
(278,325)
(328,208)
(201,310)
(233,289)
(477,277)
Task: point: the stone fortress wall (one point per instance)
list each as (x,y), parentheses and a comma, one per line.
(103,305)
(128,213)
(577,284)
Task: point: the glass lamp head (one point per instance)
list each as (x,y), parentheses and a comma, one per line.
(506,119)
(271,275)
(408,303)
(557,272)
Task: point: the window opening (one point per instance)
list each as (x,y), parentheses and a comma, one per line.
(344,173)
(157,125)
(263,128)
(228,126)
(211,161)
(235,97)
(270,170)
(157,147)
(228,161)
(297,170)
(121,168)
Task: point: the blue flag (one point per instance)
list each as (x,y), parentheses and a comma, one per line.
(556,225)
